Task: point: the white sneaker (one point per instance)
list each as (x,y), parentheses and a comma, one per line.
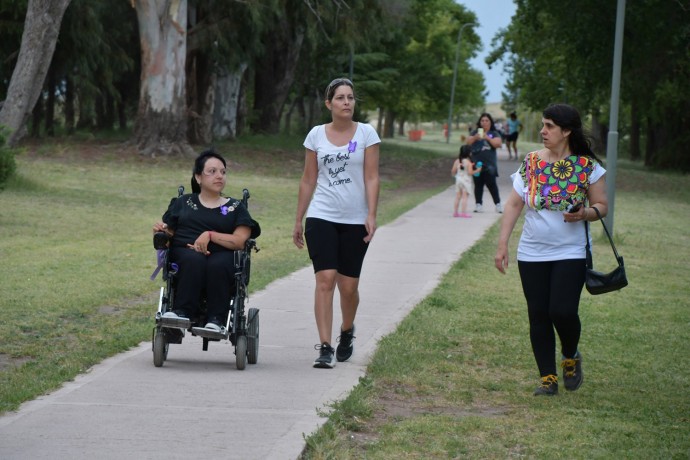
(478,208)
(499,208)
(212,327)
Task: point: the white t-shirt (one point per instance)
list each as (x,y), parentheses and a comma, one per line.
(548,190)
(340,195)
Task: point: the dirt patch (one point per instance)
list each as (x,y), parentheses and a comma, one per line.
(126,304)
(8,362)
(398,403)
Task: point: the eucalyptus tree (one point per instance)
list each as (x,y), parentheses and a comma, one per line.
(161,124)
(223,38)
(41,28)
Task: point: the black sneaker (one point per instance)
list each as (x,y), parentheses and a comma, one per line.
(572,372)
(345,348)
(326,359)
(548,386)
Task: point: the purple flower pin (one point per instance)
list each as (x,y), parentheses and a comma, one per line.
(224,210)
(351,146)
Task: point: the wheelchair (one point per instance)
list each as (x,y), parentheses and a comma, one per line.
(241,327)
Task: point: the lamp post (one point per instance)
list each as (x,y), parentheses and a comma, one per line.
(612,138)
(455,75)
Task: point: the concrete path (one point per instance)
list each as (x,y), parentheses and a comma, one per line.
(198,405)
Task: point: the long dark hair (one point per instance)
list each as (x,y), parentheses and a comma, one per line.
(199,164)
(567,117)
(465,152)
(491,119)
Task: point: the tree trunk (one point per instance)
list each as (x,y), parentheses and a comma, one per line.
(389,124)
(201,82)
(41,28)
(379,122)
(69,105)
(274,75)
(161,125)
(634,132)
(50,103)
(226,104)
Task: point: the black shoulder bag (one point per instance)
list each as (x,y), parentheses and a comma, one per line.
(601,283)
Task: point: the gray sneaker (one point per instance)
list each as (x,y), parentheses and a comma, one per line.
(572,372)
(478,208)
(548,386)
(326,359)
(499,208)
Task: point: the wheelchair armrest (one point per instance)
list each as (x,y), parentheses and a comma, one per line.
(161,240)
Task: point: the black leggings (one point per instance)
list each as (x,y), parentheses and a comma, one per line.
(552,290)
(490,181)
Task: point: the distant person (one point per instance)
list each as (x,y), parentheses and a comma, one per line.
(514,128)
(339,193)
(553,182)
(463,169)
(484,141)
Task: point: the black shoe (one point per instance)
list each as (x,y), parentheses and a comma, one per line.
(548,386)
(572,372)
(345,347)
(326,359)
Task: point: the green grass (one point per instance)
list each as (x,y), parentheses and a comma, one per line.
(76,251)
(455,379)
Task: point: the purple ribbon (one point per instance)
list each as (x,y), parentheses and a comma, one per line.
(160,258)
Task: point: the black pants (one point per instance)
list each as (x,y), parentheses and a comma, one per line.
(490,181)
(202,276)
(552,290)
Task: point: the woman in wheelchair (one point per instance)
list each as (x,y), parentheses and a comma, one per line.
(204,228)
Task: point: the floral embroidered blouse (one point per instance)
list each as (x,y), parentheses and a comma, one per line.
(548,190)
(189,218)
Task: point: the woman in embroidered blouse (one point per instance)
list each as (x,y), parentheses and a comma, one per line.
(339,193)
(205,228)
(551,251)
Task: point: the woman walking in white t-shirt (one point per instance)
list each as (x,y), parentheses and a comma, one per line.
(559,184)
(339,194)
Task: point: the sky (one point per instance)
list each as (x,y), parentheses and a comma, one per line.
(492,16)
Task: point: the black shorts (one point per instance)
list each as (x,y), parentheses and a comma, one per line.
(512,137)
(334,246)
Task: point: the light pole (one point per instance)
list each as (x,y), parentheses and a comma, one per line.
(612,138)
(455,75)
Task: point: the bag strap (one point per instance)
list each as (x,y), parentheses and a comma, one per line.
(588,252)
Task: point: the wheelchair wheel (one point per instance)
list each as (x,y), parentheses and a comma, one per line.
(160,348)
(253,335)
(241,352)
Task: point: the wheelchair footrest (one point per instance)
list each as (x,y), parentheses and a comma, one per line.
(181,323)
(209,334)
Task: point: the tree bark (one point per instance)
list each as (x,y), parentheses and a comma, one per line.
(275,73)
(161,125)
(41,28)
(226,103)
(634,131)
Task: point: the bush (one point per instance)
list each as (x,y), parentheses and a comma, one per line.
(7,163)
